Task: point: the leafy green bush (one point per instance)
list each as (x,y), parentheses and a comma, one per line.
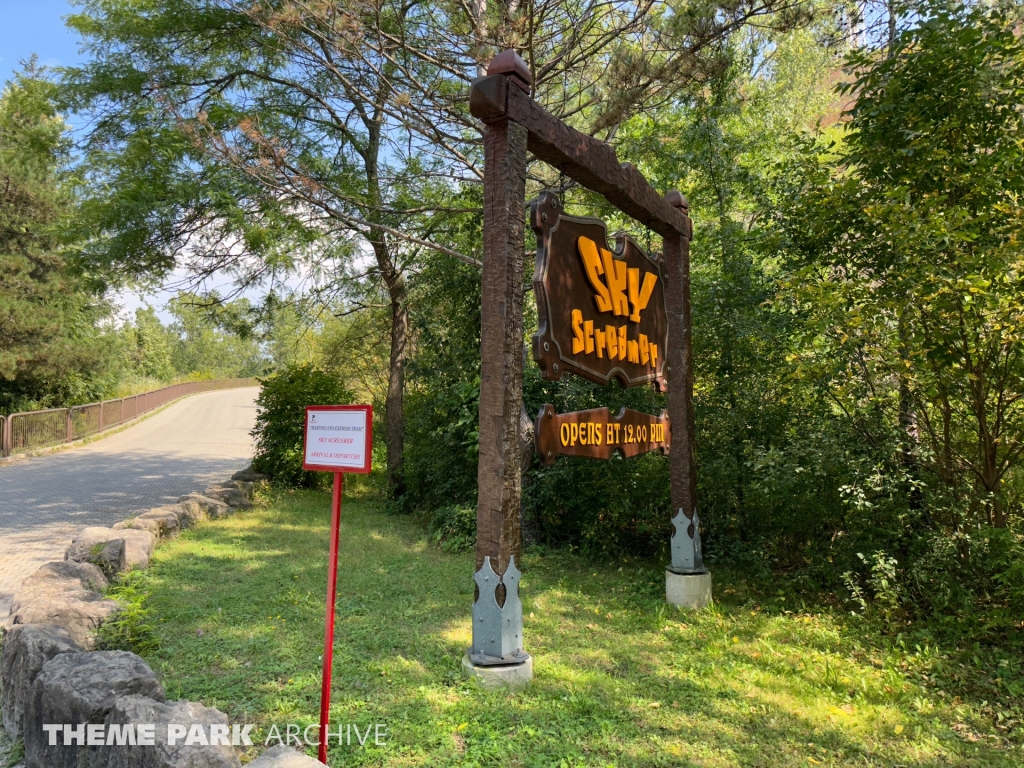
(453,528)
(129,629)
(281,418)
(443,389)
(968,587)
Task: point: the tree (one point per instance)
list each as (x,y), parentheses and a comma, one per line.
(904,242)
(52,350)
(213,338)
(149,346)
(272,129)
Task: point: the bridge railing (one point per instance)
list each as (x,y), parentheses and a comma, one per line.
(30,430)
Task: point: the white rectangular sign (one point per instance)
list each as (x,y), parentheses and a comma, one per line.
(338,438)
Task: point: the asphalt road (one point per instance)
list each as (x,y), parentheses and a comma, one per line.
(46,500)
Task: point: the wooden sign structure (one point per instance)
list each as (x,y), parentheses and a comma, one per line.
(600,309)
(338,439)
(513,125)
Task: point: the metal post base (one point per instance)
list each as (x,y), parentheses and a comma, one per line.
(497,630)
(511,676)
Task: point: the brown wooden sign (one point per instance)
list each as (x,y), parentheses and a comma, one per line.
(595,434)
(600,309)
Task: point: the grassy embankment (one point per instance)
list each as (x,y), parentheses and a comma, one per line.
(620,680)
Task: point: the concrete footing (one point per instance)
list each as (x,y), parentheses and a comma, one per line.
(688,590)
(511,676)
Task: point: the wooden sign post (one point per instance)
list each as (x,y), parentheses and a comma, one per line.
(513,125)
(338,439)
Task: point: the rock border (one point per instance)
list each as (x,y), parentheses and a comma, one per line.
(50,674)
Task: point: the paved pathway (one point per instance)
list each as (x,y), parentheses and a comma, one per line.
(45,500)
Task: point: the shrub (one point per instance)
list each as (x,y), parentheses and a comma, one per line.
(129,629)
(453,528)
(281,418)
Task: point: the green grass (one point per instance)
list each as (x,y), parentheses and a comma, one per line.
(620,679)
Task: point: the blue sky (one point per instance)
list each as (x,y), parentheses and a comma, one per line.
(35,26)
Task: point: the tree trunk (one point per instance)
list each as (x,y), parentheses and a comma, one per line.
(395,405)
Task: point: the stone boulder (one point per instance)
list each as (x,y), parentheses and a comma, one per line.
(87,575)
(248,475)
(197,507)
(284,757)
(190,513)
(26,648)
(103,547)
(80,688)
(235,494)
(165,518)
(64,594)
(137,523)
(133,710)
(114,551)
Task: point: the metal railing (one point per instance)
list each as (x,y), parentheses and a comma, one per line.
(39,429)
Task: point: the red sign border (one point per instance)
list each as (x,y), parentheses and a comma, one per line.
(366,409)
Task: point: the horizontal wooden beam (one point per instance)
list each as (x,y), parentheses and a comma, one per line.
(587,160)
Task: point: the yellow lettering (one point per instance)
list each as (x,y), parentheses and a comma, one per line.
(577,332)
(645,352)
(588,336)
(563,433)
(615,274)
(634,352)
(611,434)
(597,434)
(640,296)
(594,270)
(622,342)
(600,342)
(574,433)
(654,355)
(610,337)
(617,432)
(584,433)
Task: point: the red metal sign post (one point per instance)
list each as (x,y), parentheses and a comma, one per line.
(332,594)
(338,439)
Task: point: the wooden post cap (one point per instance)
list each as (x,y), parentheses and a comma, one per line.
(511,63)
(677,199)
